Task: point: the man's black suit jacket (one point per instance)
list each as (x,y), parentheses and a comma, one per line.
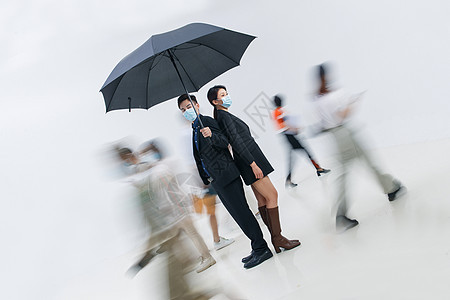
(214,153)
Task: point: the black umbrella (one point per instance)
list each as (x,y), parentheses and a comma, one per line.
(173,63)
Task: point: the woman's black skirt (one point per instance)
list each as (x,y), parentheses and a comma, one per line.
(246,171)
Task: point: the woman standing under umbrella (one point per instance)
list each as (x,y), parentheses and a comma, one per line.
(252,164)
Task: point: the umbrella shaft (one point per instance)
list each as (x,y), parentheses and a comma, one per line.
(185,89)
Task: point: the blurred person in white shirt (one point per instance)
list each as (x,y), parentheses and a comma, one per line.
(163,204)
(202,197)
(334,107)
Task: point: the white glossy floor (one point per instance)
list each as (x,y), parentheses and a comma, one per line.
(401,250)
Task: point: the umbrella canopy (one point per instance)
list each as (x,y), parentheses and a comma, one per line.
(173,63)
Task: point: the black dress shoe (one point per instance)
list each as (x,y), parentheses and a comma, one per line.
(397,193)
(290,184)
(258,258)
(133,270)
(343,223)
(247,258)
(323,171)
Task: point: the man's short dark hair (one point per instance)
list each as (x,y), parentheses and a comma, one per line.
(123,152)
(185,97)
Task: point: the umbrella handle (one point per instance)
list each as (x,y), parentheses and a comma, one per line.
(129,104)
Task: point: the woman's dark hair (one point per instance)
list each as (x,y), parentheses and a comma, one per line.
(212,95)
(277,100)
(185,97)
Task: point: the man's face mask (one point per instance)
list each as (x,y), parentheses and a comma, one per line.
(190,114)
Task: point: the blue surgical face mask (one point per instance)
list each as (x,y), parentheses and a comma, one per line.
(150,157)
(226,101)
(190,114)
(127,168)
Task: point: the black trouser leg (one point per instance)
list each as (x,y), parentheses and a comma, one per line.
(296,145)
(233,198)
(290,164)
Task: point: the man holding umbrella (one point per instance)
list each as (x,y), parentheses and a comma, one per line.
(216,166)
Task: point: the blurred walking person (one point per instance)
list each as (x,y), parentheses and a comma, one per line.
(334,108)
(162,203)
(252,164)
(286,127)
(204,200)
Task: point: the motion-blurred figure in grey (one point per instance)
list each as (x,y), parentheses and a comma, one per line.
(334,108)
(163,202)
(163,206)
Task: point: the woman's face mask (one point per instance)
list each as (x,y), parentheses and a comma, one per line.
(226,101)
(190,114)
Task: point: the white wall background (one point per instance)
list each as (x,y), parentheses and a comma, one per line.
(61,214)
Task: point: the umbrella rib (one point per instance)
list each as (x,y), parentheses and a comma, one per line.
(112,97)
(161,54)
(199,44)
(195,86)
(121,77)
(190,47)
(148,79)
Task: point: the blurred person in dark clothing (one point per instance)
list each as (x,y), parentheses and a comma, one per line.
(287,128)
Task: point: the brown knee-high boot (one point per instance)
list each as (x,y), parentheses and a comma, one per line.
(275,230)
